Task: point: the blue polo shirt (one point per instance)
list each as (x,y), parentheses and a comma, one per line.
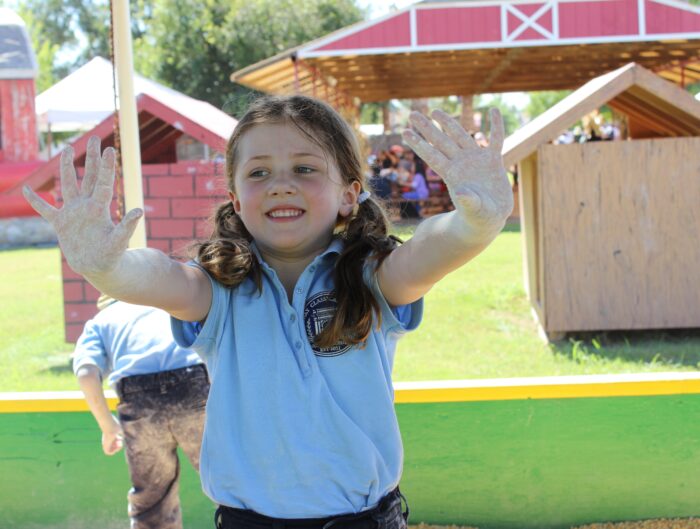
(125,340)
(292,430)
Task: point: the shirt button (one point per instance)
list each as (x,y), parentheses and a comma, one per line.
(299,290)
(297,345)
(312,269)
(293,318)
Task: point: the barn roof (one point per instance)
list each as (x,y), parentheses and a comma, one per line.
(17,60)
(469,47)
(162,120)
(655,107)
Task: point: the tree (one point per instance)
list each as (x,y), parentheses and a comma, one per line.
(511,116)
(196,44)
(73,31)
(371,113)
(190,45)
(45,52)
(541,101)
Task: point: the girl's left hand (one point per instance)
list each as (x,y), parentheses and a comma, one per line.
(475,176)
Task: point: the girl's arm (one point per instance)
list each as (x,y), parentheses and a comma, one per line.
(91,386)
(97,249)
(482,196)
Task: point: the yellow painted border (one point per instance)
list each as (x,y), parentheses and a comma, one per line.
(567,387)
(49,402)
(548,391)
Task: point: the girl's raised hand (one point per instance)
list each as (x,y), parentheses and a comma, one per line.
(475,176)
(89,239)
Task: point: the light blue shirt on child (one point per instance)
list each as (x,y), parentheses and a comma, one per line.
(295,431)
(125,340)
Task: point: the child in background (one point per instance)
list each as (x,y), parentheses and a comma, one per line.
(414,183)
(162,391)
(296,302)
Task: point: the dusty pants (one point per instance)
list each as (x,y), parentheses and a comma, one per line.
(159,412)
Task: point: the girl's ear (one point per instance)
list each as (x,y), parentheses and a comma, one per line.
(236,203)
(352,191)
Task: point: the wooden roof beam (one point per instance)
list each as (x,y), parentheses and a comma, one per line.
(648,122)
(503,65)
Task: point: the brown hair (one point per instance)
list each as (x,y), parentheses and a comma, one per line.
(227,255)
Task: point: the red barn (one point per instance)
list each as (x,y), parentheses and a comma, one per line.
(18,137)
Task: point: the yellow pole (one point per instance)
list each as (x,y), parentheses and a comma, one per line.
(128,117)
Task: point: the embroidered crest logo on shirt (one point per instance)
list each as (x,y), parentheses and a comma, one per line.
(318,312)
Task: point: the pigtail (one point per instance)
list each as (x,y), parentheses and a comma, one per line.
(227,255)
(365,236)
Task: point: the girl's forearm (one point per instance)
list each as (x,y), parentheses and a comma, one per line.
(443,243)
(145,276)
(138,276)
(440,245)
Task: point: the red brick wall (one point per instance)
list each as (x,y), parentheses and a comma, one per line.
(178,199)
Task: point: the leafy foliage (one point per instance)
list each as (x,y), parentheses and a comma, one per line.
(511,116)
(190,45)
(541,101)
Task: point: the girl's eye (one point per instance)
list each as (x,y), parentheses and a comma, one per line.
(304,169)
(258,173)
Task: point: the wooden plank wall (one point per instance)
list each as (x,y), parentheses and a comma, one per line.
(621,235)
(530,228)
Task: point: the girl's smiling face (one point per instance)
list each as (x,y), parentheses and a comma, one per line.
(288,191)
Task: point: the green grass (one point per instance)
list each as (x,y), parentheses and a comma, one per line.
(33,354)
(477,324)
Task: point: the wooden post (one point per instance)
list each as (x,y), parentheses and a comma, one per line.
(128,118)
(386,116)
(467,116)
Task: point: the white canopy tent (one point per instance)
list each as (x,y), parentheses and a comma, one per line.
(86,97)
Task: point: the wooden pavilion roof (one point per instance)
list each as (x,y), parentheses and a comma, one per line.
(468,47)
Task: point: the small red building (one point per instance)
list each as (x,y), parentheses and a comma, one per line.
(181,142)
(18,137)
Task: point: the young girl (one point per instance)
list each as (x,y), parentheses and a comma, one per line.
(296,303)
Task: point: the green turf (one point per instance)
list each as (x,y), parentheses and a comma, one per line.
(477,324)
(525,464)
(33,354)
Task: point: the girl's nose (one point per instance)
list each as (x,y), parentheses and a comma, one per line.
(282,184)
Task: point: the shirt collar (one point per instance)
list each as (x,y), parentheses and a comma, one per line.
(333,250)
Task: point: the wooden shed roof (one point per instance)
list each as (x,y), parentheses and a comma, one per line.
(161,123)
(658,107)
(470,47)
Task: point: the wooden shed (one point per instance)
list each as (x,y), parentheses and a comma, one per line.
(611,230)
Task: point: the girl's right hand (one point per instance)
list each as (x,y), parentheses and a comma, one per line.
(89,239)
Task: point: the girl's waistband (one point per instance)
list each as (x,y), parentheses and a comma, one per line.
(389,506)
